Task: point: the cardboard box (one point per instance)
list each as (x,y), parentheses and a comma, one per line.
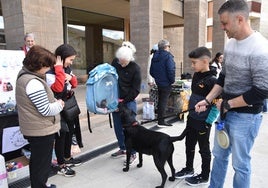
(19,173)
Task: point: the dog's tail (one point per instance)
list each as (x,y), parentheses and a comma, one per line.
(180,137)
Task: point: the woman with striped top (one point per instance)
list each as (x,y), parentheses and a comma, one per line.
(37,110)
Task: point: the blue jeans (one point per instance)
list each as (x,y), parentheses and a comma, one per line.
(242,129)
(264,105)
(118,129)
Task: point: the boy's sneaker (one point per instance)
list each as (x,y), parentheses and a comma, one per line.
(185,172)
(132,159)
(196,180)
(73,162)
(51,186)
(66,171)
(163,124)
(119,153)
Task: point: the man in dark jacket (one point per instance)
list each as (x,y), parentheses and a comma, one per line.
(163,71)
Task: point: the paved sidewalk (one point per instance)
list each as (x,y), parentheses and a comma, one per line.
(106,172)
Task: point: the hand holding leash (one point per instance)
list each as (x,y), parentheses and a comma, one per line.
(201,106)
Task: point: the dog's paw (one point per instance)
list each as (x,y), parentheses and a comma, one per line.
(171,178)
(125,169)
(139,165)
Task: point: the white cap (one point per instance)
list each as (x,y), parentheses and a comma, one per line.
(155,47)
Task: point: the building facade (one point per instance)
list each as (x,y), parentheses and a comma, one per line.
(186,24)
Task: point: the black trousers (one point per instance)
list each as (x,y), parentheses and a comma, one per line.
(163,95)
(202,138)
(63,143)
(40,161)
(59,146)
(68,139)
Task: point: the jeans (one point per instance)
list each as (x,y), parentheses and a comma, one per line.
(163,95)
(118,129)
(264,105)
(242,129)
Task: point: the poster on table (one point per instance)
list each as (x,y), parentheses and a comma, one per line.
(10,65)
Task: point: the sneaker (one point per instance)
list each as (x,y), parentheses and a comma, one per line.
(196,180)
(73,162)
(164,124)
(132,159)
(185,172)
(51,186)
(119,153)
(66,171)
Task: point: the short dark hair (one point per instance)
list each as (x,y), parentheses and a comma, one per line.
(234,6)
(64,51)
(199,52)
(37,58)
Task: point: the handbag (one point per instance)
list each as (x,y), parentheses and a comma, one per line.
(71,109)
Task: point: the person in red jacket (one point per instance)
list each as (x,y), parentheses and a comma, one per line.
(61,80)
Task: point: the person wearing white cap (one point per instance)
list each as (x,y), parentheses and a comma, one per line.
(162,69)
(150,79)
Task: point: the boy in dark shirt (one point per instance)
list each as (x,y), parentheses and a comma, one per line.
(199,130)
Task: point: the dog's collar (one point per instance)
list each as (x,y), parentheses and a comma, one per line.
(135,123)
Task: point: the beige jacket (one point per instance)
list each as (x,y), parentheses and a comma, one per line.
(32,122)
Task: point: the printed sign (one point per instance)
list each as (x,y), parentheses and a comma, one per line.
(12,139)
(10,65)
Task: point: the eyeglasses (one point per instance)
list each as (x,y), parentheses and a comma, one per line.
(126,45)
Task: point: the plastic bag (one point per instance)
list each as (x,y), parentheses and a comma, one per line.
(148,109)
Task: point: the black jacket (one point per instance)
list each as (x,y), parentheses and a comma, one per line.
(202,83)
(129,80)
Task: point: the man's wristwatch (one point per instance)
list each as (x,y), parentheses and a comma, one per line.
(226,105)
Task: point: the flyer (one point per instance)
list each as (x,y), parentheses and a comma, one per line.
(10,65)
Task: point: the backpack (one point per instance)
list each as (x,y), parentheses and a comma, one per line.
(102,89)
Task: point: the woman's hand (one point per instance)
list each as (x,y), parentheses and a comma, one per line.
(59,62)
(68,77)
(61,102)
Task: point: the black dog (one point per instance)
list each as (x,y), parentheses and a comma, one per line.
(144,141)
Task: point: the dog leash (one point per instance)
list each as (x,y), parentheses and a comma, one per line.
(171,115)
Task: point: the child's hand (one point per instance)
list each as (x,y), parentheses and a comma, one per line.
(201,106)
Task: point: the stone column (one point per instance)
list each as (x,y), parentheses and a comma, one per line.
(94,46)
(195,15)
(42,17)
(146,29)
(219,36)
(175,36)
